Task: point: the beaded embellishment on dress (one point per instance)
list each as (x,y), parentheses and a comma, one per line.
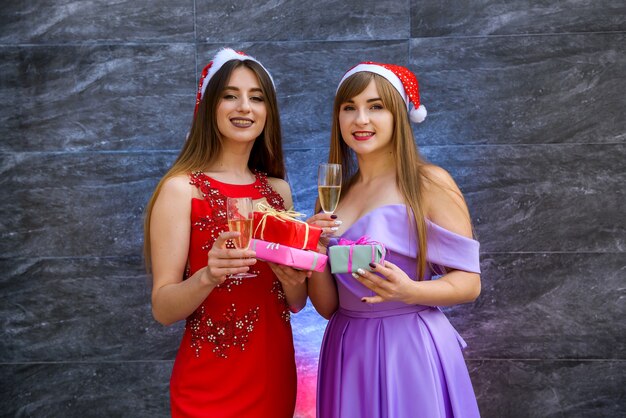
(231,331)
(277,288)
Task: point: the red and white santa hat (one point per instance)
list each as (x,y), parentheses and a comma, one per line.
(401,78)
(222,57)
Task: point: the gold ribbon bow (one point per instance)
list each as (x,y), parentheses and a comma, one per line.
(282,216)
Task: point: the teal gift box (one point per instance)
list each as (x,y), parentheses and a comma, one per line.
(349,256)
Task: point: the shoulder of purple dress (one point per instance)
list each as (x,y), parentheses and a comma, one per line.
(452,250)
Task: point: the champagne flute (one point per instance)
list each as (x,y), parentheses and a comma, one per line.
(239,213)
(329,186)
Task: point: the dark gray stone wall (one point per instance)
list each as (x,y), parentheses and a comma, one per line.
(526,110)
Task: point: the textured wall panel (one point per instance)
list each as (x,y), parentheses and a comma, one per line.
(289,20)
(76,204)
(89,389)
(68,98)
(505,17)
(544,306)
(80,309)
(522,89)
(529,388)
(66,21)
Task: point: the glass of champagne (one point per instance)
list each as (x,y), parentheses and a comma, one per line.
(239,212)
(329,186)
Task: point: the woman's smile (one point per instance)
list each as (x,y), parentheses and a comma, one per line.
(363,135)
(242,122)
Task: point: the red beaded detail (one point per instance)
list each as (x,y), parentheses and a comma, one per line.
(273,197)
(277,288)
(232,331)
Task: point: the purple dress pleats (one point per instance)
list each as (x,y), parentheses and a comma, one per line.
(392,360)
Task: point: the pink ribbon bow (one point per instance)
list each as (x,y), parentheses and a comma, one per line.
(364,240)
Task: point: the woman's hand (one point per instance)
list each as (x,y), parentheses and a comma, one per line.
(289,276)
(294,285)
(223,261)
(329,224)
(395,285)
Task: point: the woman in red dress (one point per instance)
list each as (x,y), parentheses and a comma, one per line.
(236,358)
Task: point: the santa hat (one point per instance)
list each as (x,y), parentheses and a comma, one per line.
(222,57)
(401,78)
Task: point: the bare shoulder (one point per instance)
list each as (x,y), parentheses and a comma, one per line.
(444,202)
(177,187)
(178,183)
(283,189)
(437,176)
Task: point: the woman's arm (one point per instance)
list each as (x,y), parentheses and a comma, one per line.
(321,285)
(173,298)
(323,293)
(446,207)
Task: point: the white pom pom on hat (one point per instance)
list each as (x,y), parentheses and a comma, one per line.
(401,78)
(418,115)
(222,57)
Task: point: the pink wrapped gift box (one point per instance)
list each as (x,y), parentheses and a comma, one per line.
(287,256)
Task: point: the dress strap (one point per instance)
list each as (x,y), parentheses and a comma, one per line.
(210,193)
(273,197)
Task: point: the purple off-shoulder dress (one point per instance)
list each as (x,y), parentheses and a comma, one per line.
(392,360)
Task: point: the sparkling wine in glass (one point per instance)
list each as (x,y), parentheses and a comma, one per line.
(329,186)
(239,213)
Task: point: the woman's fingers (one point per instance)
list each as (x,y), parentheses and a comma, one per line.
(232,262)
(328,222)
(324,220)
(385,270)
(220,241)
(224,271)
(318,217)
(370,280)
(289,274)
(372,299)
(392,267)
(228,253)
(227,266)
(222,260)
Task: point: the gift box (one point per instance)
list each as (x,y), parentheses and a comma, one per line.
(349,256)
(288,256)
(283,227)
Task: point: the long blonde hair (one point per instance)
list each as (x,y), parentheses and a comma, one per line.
(204,143)
(410,165)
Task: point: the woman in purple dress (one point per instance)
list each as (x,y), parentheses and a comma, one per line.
(388,350)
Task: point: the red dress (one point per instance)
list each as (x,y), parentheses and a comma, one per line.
(236,358)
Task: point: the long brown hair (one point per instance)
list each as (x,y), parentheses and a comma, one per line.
(204,142)
(410,165)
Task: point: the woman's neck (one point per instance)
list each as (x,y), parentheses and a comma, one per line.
(232,165)
(372,167)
